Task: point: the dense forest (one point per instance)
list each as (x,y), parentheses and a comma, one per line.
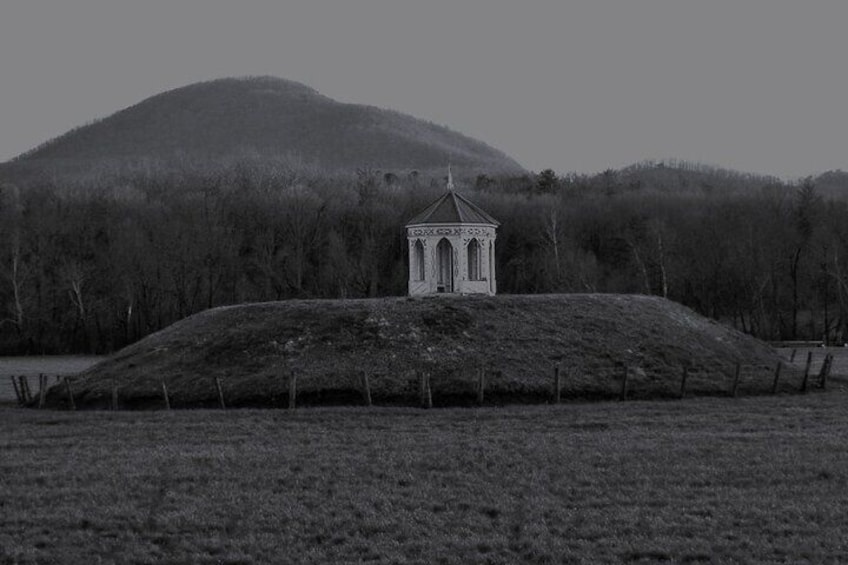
(90,265)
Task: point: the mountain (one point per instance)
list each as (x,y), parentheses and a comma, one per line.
(265,117)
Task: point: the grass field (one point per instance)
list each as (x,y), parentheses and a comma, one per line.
(750,480)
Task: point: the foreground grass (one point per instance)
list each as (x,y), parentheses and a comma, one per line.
(702,480)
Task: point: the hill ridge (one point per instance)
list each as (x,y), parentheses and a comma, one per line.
(269,116)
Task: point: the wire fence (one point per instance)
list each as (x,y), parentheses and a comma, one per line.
(800,370)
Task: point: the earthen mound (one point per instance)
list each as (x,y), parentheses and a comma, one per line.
(253,350)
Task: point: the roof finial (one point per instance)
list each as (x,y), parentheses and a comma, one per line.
(450,179)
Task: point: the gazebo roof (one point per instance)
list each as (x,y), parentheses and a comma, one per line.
(452,208)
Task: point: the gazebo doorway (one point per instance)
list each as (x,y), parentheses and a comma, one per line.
(444,260)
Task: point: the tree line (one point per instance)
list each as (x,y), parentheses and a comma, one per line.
(91,267)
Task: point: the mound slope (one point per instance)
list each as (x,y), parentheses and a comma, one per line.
(518,340)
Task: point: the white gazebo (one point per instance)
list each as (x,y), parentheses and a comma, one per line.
(452,247)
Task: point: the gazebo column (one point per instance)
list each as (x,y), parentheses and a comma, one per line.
(493,285)
(433,270)
(459,275)
(412,267)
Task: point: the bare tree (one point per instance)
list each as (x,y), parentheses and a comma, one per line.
(15,269)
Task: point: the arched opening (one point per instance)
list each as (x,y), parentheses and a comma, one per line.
(444,259)
(418,260)
(473,254)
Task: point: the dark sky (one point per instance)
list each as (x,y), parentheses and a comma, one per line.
(756,85)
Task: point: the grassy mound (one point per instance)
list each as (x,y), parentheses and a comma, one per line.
(518,340)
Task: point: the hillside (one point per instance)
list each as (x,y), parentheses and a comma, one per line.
(264,117)
(678,177)
(832,183)
(674,176)
(517,339)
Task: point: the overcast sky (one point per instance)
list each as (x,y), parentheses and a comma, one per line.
(755,85)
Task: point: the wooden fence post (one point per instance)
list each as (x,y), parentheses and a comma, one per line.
(422,387)
(623,394)
(776,377)
(683,378)
(42,389)
(481,385)
(807,371)
(829,369)
(825,371)
(736,377)
(17,392)
(165,395)
(366,388)
(220,393)
(426,392)
(557,384)
(24,381)
(292,390)
(114,403)
(70,393)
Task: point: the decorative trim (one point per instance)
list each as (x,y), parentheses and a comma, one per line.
(471,231)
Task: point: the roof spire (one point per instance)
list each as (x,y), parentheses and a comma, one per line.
(450,179)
